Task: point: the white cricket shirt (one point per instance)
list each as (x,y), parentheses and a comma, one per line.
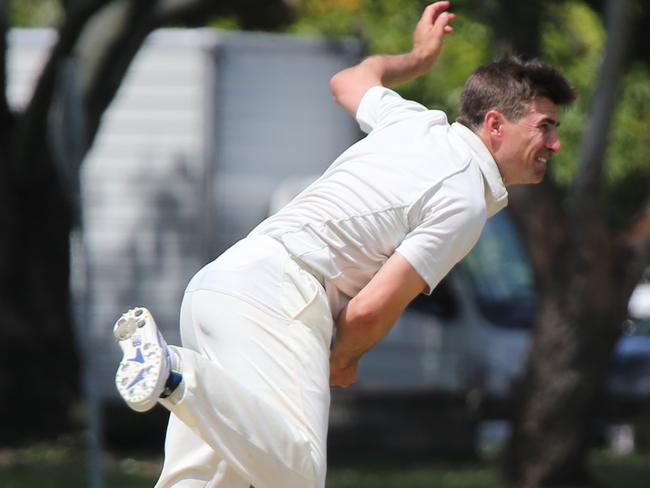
(415,185)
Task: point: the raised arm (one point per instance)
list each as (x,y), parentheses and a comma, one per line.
(349,85)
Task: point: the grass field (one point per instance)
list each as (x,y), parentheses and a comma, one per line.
(62,466)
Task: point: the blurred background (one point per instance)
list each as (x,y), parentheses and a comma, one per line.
(139,139)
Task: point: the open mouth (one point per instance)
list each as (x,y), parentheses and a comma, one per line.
(542,160)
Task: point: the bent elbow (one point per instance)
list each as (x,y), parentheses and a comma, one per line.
(364,314)
(337,86)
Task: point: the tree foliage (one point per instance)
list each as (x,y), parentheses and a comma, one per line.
(387,26)
(572,38)
(35,13)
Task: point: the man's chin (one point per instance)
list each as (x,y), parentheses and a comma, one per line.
(538,179)
(538,174)
(532,180)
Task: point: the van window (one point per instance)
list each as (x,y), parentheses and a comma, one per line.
(440,303)
(501,276)
(640,327)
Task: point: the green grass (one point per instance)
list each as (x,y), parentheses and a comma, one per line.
(434,477)
(62,466)
(65,476)
(612,471)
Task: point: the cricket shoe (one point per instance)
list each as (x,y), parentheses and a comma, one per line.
(145,372)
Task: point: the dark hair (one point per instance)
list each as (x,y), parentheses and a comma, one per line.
(508,86)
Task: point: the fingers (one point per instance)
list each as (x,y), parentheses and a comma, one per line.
(433,11)
(444,20)
(428,37)
(343,377)
(343,382)
(436,16)
(441,25)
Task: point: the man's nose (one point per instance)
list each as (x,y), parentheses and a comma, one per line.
(553,142)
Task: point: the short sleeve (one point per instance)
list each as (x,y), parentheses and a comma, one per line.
(381,106)
(443,237)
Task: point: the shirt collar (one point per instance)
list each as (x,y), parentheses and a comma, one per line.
(496,195)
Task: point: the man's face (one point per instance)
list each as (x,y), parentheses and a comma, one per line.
(528,144)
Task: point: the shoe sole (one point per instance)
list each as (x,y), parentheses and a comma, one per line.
(143,370)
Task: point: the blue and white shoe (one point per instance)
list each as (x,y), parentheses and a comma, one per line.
(146,364)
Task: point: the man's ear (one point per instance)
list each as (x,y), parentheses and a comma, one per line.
(493,123)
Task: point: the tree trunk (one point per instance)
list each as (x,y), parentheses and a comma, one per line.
(582,304)
(40,157)
(516,25)
(585,273)
(38,357)
(38,361)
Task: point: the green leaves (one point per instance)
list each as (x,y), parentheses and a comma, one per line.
(574,40)
(34,13)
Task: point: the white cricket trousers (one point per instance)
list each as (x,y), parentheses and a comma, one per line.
(255,331)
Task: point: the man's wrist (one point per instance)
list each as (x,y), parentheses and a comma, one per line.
(421,60)
(341,360)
